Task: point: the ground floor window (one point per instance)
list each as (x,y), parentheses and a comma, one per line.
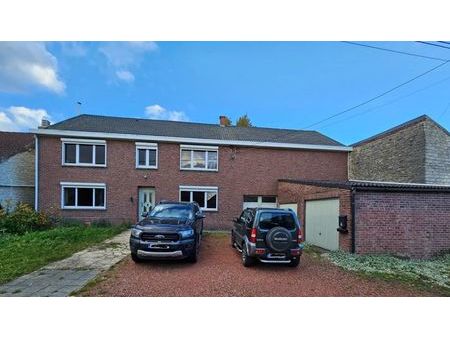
(254,201)
(206,197)
(83,195)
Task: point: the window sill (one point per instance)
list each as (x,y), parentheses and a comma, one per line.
(205,170)
(151,168)
(84,208)
(84,165)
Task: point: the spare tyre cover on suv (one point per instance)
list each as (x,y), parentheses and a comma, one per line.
(278,239)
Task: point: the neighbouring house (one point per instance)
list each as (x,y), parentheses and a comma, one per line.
(397,199)
(16,168)
(417,151)
(97,167)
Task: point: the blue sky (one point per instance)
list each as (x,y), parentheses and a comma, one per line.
(278,84)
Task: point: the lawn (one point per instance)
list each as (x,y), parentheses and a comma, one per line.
(21,254)
(432,274)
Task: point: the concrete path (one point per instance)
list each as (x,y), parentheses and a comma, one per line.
(61,278)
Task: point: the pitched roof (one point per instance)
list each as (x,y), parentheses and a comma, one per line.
(12,143)
(122,125)
(373,185)
(402,126)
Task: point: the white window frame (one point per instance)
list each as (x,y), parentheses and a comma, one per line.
(146,146)
(205,190)
(192,148)
(77,143)
(77,185)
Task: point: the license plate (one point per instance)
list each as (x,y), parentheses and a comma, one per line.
(158,246)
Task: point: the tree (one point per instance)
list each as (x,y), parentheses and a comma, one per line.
(244,121)
(225,121)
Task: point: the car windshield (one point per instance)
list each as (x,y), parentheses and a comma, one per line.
(171,211)
(269,220)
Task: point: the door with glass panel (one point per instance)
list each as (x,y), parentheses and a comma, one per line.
(146,200)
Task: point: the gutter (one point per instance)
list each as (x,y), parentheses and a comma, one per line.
(352,203)
(189,140)
(36,173)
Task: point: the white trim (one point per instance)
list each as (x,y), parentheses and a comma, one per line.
(36,173)
(77,185)
(205,190)
(77,144)
(198,147)
(207,149)
(82,140)
(146,146)
(119,136)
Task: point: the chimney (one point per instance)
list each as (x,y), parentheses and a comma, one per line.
(45,123)
(223,121)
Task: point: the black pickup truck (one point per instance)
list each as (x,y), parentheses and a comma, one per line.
(171,230)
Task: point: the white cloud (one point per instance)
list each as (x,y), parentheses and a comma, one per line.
(21,118)
(24,65)
(125,56)
(125,75)
(156,112)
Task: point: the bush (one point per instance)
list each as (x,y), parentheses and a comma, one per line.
(23,219)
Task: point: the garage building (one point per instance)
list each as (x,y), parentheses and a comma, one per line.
(404,219)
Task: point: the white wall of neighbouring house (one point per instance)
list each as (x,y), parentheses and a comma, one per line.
(17,179)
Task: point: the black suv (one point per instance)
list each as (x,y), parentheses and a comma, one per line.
(171,230)
(269,235)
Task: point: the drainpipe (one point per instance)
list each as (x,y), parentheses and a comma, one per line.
(36,172)
(352,202)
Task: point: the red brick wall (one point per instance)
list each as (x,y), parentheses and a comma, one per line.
(415,225)
(299,193)
(252,171)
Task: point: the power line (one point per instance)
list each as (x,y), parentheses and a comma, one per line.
(433,44)
(394,51)
(378,96)
(387,103)
(447,43)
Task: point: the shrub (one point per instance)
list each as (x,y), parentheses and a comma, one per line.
(23,219)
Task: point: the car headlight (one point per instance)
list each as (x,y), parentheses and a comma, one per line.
(135,232)
(187,233)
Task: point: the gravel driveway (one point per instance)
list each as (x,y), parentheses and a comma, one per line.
(219,272)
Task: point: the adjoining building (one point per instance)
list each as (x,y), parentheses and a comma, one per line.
(16,168)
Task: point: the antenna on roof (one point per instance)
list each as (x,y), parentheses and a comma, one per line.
(78,108)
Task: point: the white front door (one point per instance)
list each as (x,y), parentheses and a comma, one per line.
(321,222)
(146,200)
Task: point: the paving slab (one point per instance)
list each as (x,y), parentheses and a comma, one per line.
(61,278)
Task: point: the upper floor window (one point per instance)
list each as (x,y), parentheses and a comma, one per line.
(203,158)
(146,155)
(84,152)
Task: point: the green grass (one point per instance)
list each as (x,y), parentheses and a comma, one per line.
(21,254)
(432,274)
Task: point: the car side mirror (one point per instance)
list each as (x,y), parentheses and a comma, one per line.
(199,215)
(144,214)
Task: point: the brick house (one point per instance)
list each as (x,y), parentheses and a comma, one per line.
(97,167)
(16,168)
(397,199)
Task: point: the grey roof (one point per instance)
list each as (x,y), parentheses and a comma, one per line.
(122,125)
(402,126)
(373,185)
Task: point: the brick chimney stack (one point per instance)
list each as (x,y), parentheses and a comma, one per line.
(223,120)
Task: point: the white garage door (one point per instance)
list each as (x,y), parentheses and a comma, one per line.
(292,206)
(321,222)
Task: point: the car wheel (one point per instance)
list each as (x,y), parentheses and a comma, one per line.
(294,262)
(135,258)
(246,259)
(192,258)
